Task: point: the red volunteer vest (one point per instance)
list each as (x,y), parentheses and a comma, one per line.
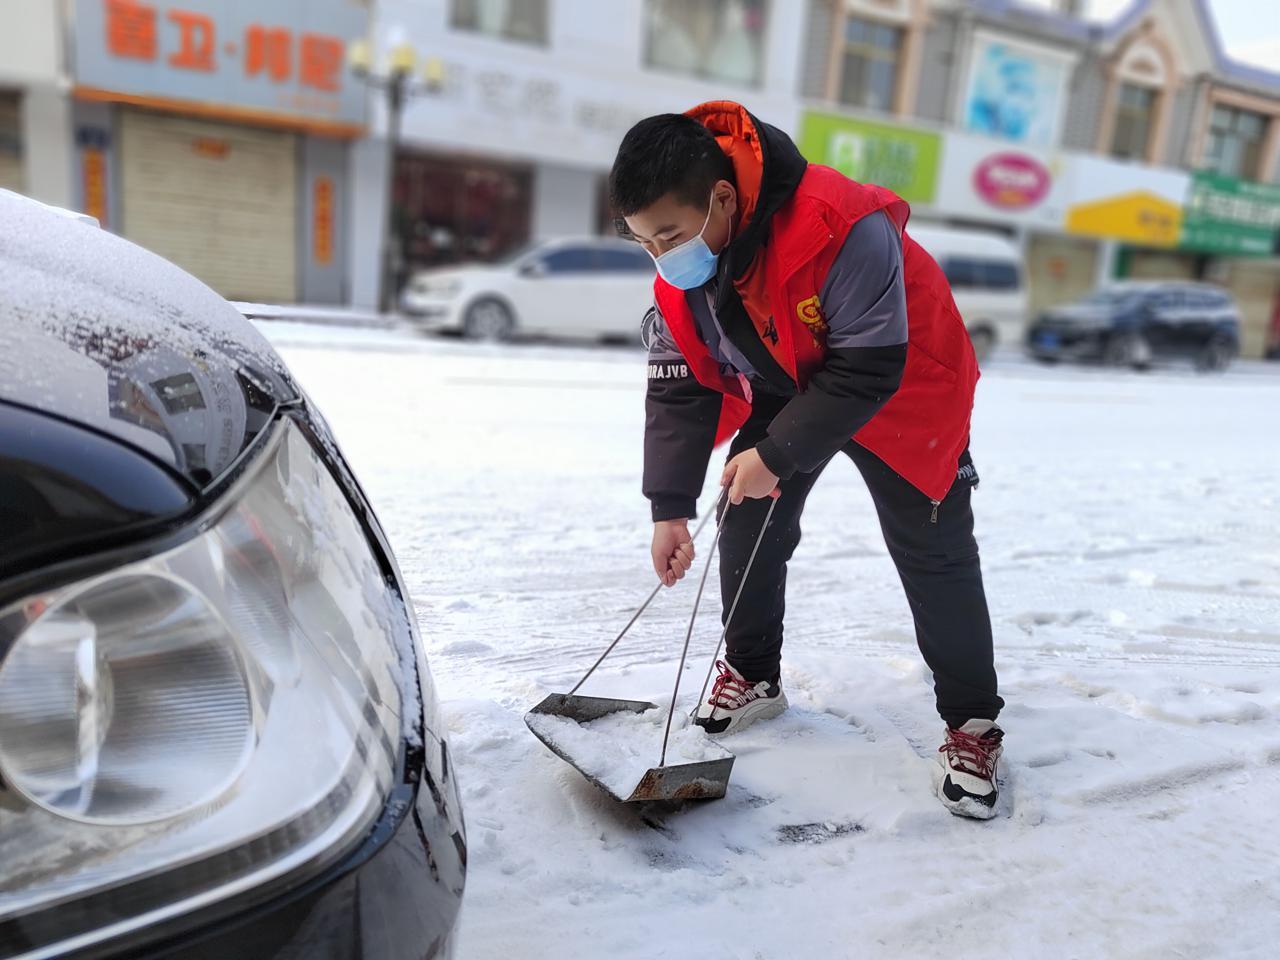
(924,427)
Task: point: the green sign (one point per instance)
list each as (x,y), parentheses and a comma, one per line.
(1226,215)
(902,159)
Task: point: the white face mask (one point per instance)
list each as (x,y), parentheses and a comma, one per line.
(690,264)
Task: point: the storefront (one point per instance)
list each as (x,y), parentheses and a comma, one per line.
(1060,269)
(1232,226)
(969,181)
(219,199)
(217,137)
(512,140)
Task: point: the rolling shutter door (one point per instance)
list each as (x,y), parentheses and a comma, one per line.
(1059,270)
(1161,265)
(217,199)
(1255,284)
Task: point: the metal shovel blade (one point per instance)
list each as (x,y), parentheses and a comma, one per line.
(703,780)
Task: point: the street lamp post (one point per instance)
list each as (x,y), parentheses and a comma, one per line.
(397,82)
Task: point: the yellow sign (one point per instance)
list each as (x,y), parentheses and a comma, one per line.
(1139,217)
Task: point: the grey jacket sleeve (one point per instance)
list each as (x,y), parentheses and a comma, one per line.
(679,427)
(864,302)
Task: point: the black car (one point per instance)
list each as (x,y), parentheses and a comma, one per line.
(1134,323)
(218,734)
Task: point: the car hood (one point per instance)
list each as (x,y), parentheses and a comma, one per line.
(98,331)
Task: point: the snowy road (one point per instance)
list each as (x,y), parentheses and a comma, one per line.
(1130,534)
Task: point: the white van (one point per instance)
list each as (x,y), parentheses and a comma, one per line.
(987,281)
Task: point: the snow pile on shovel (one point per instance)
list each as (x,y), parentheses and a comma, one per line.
(619,749)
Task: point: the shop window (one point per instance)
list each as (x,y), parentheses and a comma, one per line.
(1235,140)
(11,173)
(524,21)
(604,209)
(451,209)
(1135,107)
(720,40)
(869,64)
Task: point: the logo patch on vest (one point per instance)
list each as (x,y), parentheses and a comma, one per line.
(668,371)
(810,313)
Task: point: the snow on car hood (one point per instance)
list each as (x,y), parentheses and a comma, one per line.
(97,330)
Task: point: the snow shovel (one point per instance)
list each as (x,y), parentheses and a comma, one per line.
(706,778)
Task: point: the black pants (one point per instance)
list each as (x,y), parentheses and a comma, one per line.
(936,559)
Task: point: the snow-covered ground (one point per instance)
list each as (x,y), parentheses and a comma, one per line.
(1130,533)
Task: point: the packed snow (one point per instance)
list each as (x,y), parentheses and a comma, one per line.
(620,748)
(1131,547)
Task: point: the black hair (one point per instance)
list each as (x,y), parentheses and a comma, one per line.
(666,153)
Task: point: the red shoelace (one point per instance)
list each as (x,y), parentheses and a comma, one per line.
(976,754)
(727,687)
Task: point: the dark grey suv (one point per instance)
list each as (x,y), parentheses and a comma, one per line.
(1136,323)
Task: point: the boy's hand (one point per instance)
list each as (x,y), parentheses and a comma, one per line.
(672,550)
(747,476)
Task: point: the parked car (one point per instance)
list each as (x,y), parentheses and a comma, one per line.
(1134,323)
(592,288)
(219,736)
(987,281)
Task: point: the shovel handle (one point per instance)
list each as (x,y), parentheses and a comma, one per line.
(724,492)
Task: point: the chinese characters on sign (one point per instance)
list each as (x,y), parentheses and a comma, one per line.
(1229,216)
(900,158)
(187,40)
(322,221)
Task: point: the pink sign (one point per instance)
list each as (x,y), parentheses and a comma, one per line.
(1011,181)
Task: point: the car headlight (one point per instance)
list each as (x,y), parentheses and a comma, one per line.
(203,721)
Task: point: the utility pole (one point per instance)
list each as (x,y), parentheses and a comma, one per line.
(397,82)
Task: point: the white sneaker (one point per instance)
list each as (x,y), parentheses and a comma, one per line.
(736,703)
(968,786)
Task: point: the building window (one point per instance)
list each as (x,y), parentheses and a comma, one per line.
(1135,110)
(455,209)
(1235,142)
(720,40)
(869,65)
(524,21)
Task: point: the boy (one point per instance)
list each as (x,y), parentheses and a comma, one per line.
(791,308)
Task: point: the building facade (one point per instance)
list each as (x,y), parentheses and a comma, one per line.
(1134,148)
(215,134)
(515,141)
(235,139)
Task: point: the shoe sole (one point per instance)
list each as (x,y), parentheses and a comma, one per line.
(964,807)
(766,710)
